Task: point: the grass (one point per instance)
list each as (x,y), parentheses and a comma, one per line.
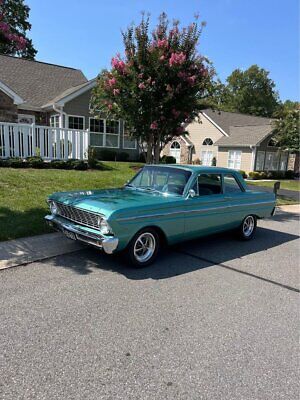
(284,184)
(284,200)
(23,193)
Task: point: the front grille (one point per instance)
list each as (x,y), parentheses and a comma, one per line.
(79,216)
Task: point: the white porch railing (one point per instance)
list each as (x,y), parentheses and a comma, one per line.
(23,140)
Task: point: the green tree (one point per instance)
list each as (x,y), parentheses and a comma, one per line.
(250,92)
(157,85)
(14,26)
(287,126)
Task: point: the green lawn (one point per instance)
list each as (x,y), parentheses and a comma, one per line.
(23,193)
(284,184)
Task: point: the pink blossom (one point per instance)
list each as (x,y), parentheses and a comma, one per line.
(118,64)
(4,27)
(110,106)
(112,82)
(175,113)
(180,129)
(177,59)
(153,83)
(142,86)
(162,58)
(154,125)
(181,74)
(116,92)
(191,80)
(169,88)
(140,75)
(162,43)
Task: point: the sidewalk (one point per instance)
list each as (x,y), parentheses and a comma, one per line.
(25,250)
(35,248)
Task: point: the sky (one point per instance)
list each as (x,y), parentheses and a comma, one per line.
(239,33)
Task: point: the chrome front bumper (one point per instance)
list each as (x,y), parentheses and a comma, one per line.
(108,245)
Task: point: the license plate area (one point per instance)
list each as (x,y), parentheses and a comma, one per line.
(69,235)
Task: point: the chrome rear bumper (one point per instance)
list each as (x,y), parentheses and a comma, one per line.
(108,245)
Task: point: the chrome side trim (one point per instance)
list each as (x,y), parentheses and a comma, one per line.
(192,211)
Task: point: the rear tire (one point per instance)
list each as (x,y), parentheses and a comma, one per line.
(246,230)
(143,248)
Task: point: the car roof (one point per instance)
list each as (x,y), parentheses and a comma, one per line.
(196,168)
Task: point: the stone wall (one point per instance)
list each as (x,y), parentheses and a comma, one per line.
(184,153)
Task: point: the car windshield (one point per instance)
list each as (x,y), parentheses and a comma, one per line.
(160,179)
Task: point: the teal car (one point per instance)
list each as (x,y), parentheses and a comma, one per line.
(161,204)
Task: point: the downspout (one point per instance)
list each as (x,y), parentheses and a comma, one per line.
(254,149)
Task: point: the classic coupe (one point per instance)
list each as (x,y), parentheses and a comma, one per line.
(161,204)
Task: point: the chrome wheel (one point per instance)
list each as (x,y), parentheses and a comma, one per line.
(248,226)
(144,247)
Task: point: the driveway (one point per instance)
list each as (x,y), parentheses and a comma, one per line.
(213,319)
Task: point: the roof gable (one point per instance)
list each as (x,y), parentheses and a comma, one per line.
(36,82)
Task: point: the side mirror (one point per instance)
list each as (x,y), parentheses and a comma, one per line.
(191,193)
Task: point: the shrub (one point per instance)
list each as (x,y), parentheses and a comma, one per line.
(123,156)
(142,157)
(255,175)
(243,173)
(290,174)
(57,164)
(106,155)
(80,165)
(36,162)
(214,162)
(17,162)
(101,167)
(197,161)
(168,160)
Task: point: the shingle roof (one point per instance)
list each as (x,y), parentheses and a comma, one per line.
(245,136)
(37,82)
(226,119)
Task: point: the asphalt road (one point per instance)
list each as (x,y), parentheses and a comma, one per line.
(213,319)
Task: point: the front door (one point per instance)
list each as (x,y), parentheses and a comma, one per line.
(175,151)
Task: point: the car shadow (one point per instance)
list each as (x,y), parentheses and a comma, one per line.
(180,259)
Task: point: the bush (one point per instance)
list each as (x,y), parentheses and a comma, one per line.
(17,162)
(123,156)
(142,157)
(255,175)
(57,164)
(36,162)
(197,161)
(243,173)
(101,167)
(290,174)
(214,162)
(106,155)
(168,160)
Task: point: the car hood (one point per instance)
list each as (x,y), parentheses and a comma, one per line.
(108,201)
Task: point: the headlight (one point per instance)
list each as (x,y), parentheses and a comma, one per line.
(103,226)
(53,208)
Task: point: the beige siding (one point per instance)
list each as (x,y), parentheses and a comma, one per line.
(222,160)
(198,131)
(80,106)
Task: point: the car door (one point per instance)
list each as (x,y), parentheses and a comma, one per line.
(205,213)
(237,197)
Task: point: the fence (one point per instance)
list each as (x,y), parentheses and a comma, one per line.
(23,140)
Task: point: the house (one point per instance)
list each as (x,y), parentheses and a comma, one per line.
(48,95)
(234,140)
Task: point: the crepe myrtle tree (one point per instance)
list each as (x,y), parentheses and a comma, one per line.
(157,85)
(14,25)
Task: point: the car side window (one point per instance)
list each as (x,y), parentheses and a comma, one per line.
(231,185)
(208,184)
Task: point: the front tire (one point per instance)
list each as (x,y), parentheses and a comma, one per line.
(247,229)
(143,248)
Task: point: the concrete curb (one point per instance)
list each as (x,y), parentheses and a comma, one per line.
(26,250)
(22,251)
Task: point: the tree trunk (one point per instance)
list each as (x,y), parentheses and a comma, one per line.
(157,152)
(149,153)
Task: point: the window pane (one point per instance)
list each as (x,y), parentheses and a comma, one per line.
(112,141)
(272,160)
(260,158)
(283,161)
(96,125)
(209,184)
(206,157)
(234,159)
(112,126)
(76,122)
(128,143)
(231,185)
(96,139)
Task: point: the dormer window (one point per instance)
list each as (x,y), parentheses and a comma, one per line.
(207,142)
(273,143)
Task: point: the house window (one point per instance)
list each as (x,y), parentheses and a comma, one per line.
(207,142)
(273,143)
(76,122)
(234,159)
(54,121)
(104,132)
(260,160)
(283,161)
(26,119)
(231,185)
(206,157)
(272,161)
(129,143)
